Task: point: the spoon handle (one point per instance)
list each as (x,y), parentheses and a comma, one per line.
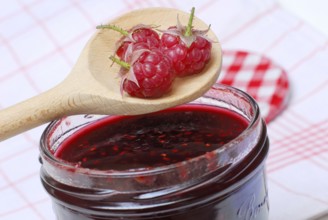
(33,112)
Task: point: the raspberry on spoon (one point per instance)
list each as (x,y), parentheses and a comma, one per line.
(137,34)
(188,48)
(148,74)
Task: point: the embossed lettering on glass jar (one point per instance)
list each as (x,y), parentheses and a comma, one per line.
(223,183)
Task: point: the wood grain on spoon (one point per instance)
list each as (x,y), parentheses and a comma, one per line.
(92,87)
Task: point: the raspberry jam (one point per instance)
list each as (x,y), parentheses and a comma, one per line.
(203,160)
(153,140)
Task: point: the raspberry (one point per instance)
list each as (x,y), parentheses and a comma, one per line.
(188,49)
(137,34)
(148,74)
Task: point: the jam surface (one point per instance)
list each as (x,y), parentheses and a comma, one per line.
(152,140)
(157,139)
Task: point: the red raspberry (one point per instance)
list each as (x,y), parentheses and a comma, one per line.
(137,34)
(148,73)
(188,49)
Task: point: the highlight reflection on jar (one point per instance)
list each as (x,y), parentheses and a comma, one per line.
(203,160)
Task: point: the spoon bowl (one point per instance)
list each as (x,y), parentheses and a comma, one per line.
(92,87)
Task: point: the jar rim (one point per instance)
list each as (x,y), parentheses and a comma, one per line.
(254,121)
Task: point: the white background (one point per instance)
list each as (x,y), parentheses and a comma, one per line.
(315,12)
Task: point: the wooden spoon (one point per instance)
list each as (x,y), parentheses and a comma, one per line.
(92,87)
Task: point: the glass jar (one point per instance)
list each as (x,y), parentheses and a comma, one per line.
(230,184)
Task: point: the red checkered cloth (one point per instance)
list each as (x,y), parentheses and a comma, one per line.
(260,77)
